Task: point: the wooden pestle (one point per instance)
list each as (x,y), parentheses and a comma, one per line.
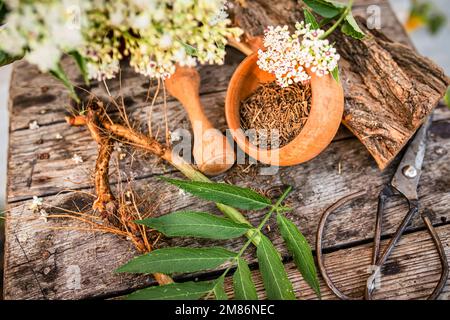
(212,151)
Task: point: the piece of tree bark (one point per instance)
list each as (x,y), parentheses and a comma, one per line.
(389,88)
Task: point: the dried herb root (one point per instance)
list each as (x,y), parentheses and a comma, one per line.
(105,199)
(275,115)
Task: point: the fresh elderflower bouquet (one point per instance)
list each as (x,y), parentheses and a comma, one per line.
(156,35)
(288,56)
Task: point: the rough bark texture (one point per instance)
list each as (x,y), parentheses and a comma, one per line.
(389,88)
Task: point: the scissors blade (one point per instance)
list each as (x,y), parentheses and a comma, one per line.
(407,176)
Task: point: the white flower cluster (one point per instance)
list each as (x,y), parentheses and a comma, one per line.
(43,29)
(287,55)
(156,35)
(221,15)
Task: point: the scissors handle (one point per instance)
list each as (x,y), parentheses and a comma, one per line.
(377,260)
(444,263)
(414,208)
(382,198)
(319,238)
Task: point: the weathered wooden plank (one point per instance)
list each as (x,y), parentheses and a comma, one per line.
(317,184)
(40,163)
(412,271)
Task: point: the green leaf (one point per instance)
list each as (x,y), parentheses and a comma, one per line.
(219,289)
(299,248)
(335,74)
(275,279)
(427,13)
(5,58)
(309,18)
(325,21)
(230,195)
(244,288)
(171,260)
(81,62)
(196,224)
(60,74)
(3,12)
(190,50)
(174,291)
(350,27)
(435,22)
(325,8)
(447,97)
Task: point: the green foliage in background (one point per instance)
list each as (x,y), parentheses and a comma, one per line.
(447,97)
(425,13)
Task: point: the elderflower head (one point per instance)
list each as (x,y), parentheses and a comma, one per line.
(156,35)
(36,204)
(287,55)
(43,30)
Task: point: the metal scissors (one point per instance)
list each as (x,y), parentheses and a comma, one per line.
(404,183)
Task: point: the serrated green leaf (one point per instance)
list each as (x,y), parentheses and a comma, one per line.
(309,18)
(60,74)
(223,193)
(299,248)
(196,224)
(181,260)
(244,288)
(81,62)
(325,8)
(350,27)
(174,291)
(219,289)
(275,279)
(335,74)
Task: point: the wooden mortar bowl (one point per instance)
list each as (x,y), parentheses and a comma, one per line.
(327,108)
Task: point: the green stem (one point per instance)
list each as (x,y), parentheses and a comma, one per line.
(256,231)
(60,74)
(274,208)
(338,22)
(191,173)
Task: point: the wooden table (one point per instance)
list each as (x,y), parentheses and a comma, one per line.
(46,260)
